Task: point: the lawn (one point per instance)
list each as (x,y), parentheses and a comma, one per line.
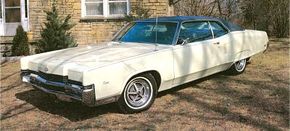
(257,99)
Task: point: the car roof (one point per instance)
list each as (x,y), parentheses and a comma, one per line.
(179,19)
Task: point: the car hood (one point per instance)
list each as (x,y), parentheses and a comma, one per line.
(87,57)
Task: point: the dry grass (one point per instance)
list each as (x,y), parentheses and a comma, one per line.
(257,99)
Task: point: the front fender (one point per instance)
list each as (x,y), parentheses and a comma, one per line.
(108,80)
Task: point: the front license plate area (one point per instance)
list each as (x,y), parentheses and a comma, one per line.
(63,98)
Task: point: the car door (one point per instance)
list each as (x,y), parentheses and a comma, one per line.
(223,42)
(200,56)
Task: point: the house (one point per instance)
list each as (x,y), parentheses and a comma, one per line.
(96,20)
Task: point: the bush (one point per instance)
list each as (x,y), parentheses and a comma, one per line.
(20,43)
(56,33)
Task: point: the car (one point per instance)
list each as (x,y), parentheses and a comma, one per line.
(144,57)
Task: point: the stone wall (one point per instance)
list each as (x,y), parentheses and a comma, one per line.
(6,39)
(90,30)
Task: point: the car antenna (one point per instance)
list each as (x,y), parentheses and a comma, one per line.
(156,34)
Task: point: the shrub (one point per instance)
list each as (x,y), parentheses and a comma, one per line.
(20,43)
(56,33)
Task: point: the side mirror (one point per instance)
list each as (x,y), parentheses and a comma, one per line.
(182,41)
(185,41)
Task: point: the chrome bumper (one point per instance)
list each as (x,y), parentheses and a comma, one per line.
(85,94)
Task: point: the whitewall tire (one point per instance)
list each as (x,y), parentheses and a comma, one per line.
(238,67)
(139,94)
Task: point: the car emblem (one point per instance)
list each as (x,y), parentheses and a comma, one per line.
(42,68)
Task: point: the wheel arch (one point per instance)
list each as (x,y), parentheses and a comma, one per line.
(155,74)
(242,55)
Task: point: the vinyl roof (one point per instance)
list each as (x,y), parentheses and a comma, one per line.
(179,19)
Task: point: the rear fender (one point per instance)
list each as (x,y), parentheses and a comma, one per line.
(242,55)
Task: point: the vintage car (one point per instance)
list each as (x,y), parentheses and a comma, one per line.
(144,58)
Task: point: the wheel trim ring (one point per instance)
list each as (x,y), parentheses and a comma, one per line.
(139,92)
(148,99)
(240,65)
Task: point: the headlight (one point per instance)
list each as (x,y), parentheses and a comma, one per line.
(24,73)
(88,87)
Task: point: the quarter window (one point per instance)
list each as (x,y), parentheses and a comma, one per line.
(217,29)
(195,31)
(105,8)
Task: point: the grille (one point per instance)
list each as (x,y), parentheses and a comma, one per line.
(49,87)
(52,77)
(55,78)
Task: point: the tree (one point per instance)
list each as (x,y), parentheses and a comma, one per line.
(268,15)
(220,8)
(195,7)
(56,33)
(271,16)
(257,14)
(280,18)
(20,43)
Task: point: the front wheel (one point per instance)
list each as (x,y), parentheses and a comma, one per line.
(238,67)
(139,94)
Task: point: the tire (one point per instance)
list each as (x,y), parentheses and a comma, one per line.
(139,94)
(238,67)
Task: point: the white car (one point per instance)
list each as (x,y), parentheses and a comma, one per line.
(144,58)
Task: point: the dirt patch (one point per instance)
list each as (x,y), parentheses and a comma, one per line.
(257,99)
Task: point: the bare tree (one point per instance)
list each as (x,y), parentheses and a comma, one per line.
(280,15)
(195,7)
(221,8)
(269,15)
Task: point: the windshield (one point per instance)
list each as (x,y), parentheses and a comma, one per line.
(150,32)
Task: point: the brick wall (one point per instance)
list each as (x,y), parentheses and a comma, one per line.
(86,31)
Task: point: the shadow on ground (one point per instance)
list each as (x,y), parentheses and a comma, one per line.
(254,100)
(74,111)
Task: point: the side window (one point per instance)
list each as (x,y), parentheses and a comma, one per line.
(195,31)
(217,29)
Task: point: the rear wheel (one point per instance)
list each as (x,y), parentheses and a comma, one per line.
(238,67)
(139,94)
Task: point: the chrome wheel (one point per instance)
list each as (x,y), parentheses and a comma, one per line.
(240,65)
(138,93)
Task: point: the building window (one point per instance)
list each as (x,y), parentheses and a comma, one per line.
(12,11)
(26,8)
(0,10)
(105,8)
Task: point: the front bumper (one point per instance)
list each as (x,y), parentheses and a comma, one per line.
(85,94)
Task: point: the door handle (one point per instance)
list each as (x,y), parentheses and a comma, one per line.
(216,43)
